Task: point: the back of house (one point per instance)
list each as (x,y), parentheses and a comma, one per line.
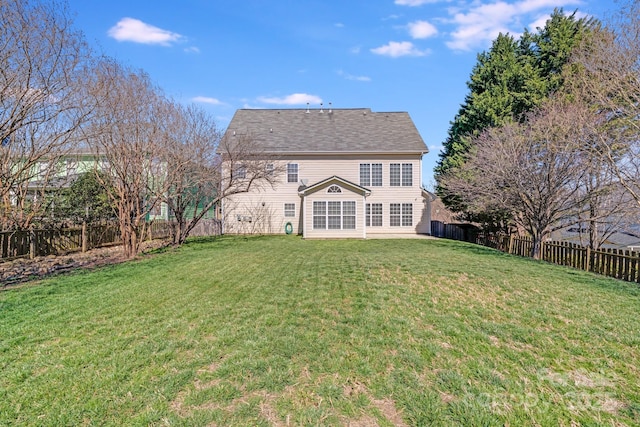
(338,173)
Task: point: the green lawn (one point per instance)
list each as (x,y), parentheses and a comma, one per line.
(280,331)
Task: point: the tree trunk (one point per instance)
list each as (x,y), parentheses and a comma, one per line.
(536,250)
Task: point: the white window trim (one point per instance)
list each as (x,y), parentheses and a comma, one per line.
(401,215)
(327,215)
(290,173)
(286,211)
(403,168)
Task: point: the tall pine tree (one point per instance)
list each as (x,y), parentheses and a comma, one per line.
(510,79)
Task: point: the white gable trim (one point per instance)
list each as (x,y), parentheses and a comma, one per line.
(334,180)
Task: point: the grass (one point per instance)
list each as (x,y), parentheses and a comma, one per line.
(280,331)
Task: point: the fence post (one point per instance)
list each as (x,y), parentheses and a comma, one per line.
(84,236)
(510,243)
(32,243)
(587,264)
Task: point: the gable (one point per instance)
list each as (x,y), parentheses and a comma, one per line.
(313,131)
(334,185)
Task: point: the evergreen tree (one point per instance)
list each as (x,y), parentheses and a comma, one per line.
(509,80)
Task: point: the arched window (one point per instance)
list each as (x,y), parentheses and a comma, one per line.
(334,189)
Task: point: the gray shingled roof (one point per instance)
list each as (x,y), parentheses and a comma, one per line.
(357,130)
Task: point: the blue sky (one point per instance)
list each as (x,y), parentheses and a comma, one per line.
(388,55)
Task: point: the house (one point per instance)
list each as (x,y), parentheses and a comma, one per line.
(343,173)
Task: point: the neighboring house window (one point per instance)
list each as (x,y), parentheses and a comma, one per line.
(334,189)
(292,172)
(289,210)
(401,174)
(269,168)
(371,174)
(401,214)
(334,215)
(374,215)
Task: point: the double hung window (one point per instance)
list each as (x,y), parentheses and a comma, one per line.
(371,174)
(401,174)
(292,172)
(401,214)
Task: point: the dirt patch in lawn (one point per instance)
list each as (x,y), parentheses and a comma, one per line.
(23,270)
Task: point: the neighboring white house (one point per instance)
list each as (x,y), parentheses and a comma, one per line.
(346,173)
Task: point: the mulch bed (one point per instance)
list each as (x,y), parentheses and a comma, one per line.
(23,270)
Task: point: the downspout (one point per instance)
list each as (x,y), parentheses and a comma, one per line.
(364,216)
(304,216)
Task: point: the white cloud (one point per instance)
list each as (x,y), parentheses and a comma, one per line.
(192,49)
(397,49)
(355,50)
(338,25)
(207,100)
(352,77)
(413,3)
(478,26)
(134,30)
(422,29)
(293,99)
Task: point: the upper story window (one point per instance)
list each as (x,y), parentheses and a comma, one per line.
(240,172)
(269,168)
(292,172)
(371,174)
(401,174)
(334,189)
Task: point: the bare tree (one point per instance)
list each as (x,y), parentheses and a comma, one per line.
(605,75)
(531,170)
(42,61)
(191,167)
(126,131)
(204,168)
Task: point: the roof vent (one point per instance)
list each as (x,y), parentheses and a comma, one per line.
(330,111)
(307,108)
(321,110)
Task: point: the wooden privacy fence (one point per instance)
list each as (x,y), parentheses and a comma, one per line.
(618,263)
(32,243)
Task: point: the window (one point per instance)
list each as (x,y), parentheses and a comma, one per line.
(371,174)
(334,215)
(319,215)
(401,174)
(394,174)
(401,214)
(349,215)
(376,175)
(394,214)
(374,215)
(334,189)
(269,168)
(240,172)
(407,174)
(292,172)
(407,214)
(289,210)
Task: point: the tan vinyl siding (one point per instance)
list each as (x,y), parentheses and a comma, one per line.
(269,218)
